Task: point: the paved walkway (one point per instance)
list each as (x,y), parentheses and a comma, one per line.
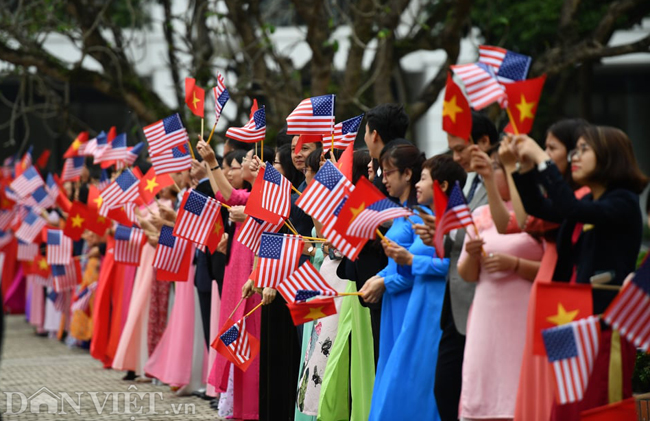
(36,372)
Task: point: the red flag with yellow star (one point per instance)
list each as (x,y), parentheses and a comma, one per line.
(345,162)
(303,312)
(363,195)
(95,222)
(151,184)
(523,98)
(78,145)
(215,235)
(194,97)
(76,222)
(559,303)
(38,266)
(456,114)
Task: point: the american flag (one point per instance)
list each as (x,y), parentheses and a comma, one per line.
(5,238)
(325,192)
(11,195)
(31,227)
(481,84)
(131,155)
(572,349)
(26,251)
(52,187)
(170,251)
(176,159)
(40,280)
(66,276)
(630,311)
(82,301)
(128,244)
(6,216)
(237,341)
(59,248)
(276,192)
(507,65)
(116,150)
(308,278)
(221,96)
(165,134)
(104,181)
(124,189)
(278,258)
(196,217)
(344,133)
(72,168)
(457,215)
(253,131)
(25,162)
(366,223)
(250,234)
(95,146)
(40,199)
(60,300)
(27,182)
(312,116)
(348,247)
(129,210)
(6,167)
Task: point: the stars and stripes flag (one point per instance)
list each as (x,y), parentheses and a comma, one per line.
(25,162)
(6,216)
(572,349)
(40,280)
(630,311)
(115,150)
(128,244)
(270,198)
(366,222)
(196,217)
(40,199)
(131,155)
(26,251)
(176,159)
(325,192)
(237,341)
(344,133)
(250,234)
(349,247)
(278,258)
(481,84)
(5,238)
(59,248)
(66,277)
(60,300)
(72,168)
(253,131)
(312,116)
(96,146)
(27,182)
(507,65)
(12,195)
(170,251)
(104,180)
(457,215)
(165,134)
(52,187)
(221,96)
(124,189)
(82,300)
(306,278)
(31,227)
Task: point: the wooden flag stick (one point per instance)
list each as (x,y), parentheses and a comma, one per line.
(176,185)
(291,228)
(347,294)
(201,131)
(296,190)
(606,287)
(236,307)
(262,150)
(212,132)
(253,310)
(512,121)
(332,150)
(189,145)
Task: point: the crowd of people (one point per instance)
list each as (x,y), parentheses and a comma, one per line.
(433,335)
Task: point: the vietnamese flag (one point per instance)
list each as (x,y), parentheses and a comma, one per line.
(363,195)
(39,267)
(97,223)
(214,238)
(307,138)
(41,162)
(76,222)
(311,310)
(119,215)
(456,113)
(151,184)
(222,349)
(620,411)
(77,144)
(5,202)
(194,97)
(559,303)
(523,98)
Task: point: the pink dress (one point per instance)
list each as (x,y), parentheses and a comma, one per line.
(496,328)
(239,267)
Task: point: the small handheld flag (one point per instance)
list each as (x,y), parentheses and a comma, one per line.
(312,116)
(194,97)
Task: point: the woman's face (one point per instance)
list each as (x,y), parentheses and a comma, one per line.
(397,184)
(234,174)
(583,162)
(246,173)
(309,174)
(277,165)
(558,153)
(424,188)
(371,172)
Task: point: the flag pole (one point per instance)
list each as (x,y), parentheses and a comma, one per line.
(201,130)
(236,307)
(512,121)
(189,144)
(296,190)
(347,294)
(253,310)
(212,132)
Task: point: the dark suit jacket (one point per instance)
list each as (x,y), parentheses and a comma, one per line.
(609,240)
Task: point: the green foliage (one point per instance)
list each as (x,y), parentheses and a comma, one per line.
(641,376)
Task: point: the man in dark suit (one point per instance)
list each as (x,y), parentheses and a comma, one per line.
(459,294)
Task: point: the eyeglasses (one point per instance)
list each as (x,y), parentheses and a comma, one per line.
(578,151)
(385,174)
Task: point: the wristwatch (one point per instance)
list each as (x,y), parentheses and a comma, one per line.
(544,165)
(310,250)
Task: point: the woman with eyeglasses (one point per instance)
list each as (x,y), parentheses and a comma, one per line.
(599,235)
